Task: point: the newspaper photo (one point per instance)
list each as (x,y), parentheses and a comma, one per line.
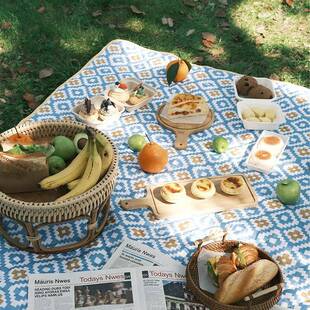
(108,289)
(132,253)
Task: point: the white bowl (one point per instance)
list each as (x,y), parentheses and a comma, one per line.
(261,81)
(96,100)
(280,118)
(132,83)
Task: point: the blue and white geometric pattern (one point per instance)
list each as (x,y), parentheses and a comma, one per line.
(283,231)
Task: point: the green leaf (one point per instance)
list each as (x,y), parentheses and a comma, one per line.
(172,73)
(189,66)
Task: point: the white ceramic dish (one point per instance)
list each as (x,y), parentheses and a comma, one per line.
(256,165)
(132,83)
(96,100)
(280,118)
(261,81)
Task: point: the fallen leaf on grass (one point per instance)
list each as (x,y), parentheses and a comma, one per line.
(288,2)
(260,29)
(22,69)
(135,10)
(96,13)
(189,32)
(46,72)
(198,60)
(5,25)
(306,10)
(217,52)
(259,40)
(167,21)
(2,100)
(190,3)
(31,101)
(7,93)
(208,39)
(274,77)
(41,9)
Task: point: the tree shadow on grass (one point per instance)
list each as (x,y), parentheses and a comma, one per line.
(67,36)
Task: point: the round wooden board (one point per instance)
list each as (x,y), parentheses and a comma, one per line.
(183,131)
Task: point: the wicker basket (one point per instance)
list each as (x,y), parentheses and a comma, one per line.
(270,294)
(92,206)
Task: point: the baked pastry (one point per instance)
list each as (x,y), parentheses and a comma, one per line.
(183,105)
(246,281)
(245,84)
(119,92)
(260,92)
(137,95)
(88,111)
(232,185)
(225,266)
(203,188)
(271,143)
(244,255)
(107,110)
(172,192)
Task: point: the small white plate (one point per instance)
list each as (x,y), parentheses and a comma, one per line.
(97,100)
(261,81)
(280,118)
(132,83)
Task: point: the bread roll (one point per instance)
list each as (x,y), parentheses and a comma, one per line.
(245,282)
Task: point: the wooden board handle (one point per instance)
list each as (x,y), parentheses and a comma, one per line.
(132,204)
(181,137)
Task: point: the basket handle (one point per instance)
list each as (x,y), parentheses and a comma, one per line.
(264,292)
(212,237)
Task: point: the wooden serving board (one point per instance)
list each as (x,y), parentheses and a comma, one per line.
(183,130)
(191,205)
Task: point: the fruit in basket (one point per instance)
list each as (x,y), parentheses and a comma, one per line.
(220,144)
(244,255)
(136,142)
(55,164)
(70,173)
(64,148)
(153,158)
(288,191)
(177,70)
(80,140)
(91,173)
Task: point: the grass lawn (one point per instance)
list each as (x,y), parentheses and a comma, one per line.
(260,38)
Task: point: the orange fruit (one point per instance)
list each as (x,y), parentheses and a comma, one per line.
(182,70)
(153,158)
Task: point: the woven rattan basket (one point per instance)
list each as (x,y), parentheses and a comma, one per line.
(92,206)
(269,296)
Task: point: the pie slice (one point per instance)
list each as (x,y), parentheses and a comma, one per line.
(182,98)
(188,108)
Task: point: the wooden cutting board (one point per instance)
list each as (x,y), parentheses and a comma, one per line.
(182,131)
(191,205)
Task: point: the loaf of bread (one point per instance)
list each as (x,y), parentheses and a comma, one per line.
(245,282)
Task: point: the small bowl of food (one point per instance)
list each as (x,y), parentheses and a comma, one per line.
(130,93)
(98,111)
(260,114)
(250,88)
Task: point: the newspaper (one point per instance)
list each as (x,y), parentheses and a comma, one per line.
(132,253)
(143,288)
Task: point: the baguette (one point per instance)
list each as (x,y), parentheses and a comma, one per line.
(244,282)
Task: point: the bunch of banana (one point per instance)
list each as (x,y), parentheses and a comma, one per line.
(85,170)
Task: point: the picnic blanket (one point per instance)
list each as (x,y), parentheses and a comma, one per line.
(283,231)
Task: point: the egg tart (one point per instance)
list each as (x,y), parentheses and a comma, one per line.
(232,185)
(203,188)
(172,192)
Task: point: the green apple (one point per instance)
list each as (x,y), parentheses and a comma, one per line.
(136,142)
(64,148)
(220,144)
(55,164)
(288,191)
